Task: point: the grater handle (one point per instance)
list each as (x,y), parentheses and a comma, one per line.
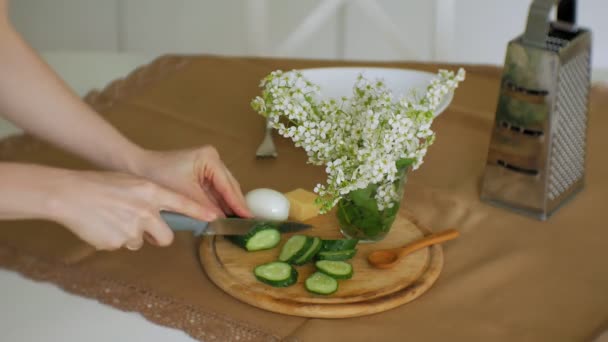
(537,27)
(566,11)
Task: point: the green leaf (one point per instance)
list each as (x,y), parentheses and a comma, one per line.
(365,198)
(404,163)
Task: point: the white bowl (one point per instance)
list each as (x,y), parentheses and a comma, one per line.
(338,82)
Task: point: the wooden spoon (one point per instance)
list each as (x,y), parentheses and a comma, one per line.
(387,258)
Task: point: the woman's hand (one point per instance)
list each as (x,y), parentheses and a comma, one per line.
(112,210)
(197,173)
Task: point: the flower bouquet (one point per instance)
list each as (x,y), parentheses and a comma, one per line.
(367,142)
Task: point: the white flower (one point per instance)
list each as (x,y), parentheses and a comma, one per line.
(360,139)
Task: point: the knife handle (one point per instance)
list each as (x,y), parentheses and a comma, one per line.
(179,222)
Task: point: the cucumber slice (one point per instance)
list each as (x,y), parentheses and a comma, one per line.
(264,239)
(276,273)
(339,245)
(321,283)
(310,253)
(261,236)
(337,255)
(335,269)
(295,247)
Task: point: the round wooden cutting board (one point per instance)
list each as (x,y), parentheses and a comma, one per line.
(369,291)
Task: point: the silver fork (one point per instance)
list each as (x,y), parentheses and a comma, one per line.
(267,148)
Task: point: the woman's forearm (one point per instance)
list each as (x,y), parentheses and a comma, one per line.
(26,191)
(33,97)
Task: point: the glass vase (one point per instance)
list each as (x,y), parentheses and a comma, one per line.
(360,218)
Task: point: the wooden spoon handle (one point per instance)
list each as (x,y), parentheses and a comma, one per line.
(429,240)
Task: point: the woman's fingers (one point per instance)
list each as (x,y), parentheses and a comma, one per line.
(230,194)
(150,239)
(205,209)
(237,188)
(134,244)
(157,230)
(217,198)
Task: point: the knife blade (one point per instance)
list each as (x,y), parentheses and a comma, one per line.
(224,226)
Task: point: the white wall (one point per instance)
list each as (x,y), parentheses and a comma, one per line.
(474,31)
(67,24)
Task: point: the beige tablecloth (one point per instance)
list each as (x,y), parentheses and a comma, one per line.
(508,278)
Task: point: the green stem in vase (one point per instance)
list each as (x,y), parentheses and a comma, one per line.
(343,212)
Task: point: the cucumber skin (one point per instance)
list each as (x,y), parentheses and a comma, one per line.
(320,293)
(301,252)
(337,255)
(335,276)
(293,278)
(309,254)
(241,240)
(338,245)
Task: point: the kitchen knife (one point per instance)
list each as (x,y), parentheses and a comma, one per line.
(224,226)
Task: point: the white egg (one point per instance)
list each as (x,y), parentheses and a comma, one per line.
(268,204)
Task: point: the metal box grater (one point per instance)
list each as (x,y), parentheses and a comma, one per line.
(536,158)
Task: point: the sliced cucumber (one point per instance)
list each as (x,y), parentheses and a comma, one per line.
(261,236)
(337,255)
(276,273)
(339,245)
(310,253)
(335,269)
(295,247)
(321,283)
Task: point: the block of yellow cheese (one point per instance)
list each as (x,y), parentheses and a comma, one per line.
(302,205)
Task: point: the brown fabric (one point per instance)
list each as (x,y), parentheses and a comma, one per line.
(507,278)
